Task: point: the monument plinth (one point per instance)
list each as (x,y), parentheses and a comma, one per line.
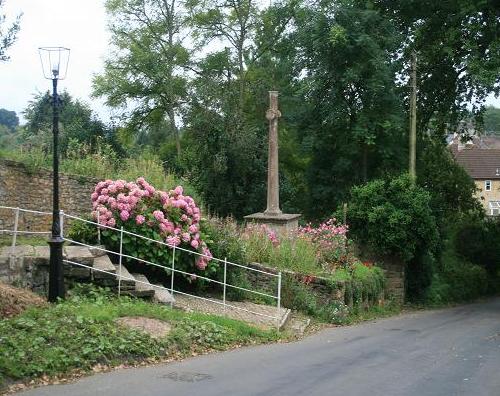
(273,217)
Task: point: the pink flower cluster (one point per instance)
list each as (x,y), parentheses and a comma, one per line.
(176,216)
(266,230)
(327,234)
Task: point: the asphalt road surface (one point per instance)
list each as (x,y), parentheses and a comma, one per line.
(446,352)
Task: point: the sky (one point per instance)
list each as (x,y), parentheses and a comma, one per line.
(77,24)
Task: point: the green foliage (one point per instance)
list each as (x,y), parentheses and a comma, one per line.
(225,242)
(78,124)
(103,164)
(367,283)
(451,188)
(392,216)
(83,232)
(477,241)
(292,253)
(361,284)
(9,119)
(456,281)
(143,75)
(297,296)
(491,117)
(354,120)
(457,48)
(81,332)
(8,34)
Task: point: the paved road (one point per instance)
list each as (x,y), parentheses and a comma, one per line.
(447,352)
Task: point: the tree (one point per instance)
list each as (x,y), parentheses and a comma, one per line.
(145,75)
(8,34)
(9,119)
(458,54)
(225,124)
(77,122)
(346,71)
(491,119)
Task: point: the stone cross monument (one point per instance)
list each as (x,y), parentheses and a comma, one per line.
(272,216)
(273,183)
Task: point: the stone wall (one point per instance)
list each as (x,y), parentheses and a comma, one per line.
(325,290)
(26,189)
(394,270)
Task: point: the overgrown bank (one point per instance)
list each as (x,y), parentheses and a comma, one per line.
(82,332)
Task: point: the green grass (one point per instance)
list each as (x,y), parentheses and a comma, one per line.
(80,333)
(293,254)
(104,166)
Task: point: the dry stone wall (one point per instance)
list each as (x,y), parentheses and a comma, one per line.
(32,189)
(324,290)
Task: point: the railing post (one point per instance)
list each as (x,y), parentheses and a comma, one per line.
(120,263)
(13,247)
(224,290)
(172,278)
(61,220)
(14,237)
(279,301)
(98,228)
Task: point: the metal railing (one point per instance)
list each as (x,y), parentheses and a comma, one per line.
(173,270)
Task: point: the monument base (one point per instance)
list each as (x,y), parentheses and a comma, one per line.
(281,224)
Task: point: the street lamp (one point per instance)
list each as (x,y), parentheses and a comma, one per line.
(55,65)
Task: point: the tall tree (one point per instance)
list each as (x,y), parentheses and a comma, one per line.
(347,73)
(492,120)
(458,46)
(145,74)
(8,34)
(225,122)
(77,122)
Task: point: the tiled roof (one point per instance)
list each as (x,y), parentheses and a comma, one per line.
(478,162)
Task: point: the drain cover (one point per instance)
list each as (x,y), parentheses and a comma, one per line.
(187,377)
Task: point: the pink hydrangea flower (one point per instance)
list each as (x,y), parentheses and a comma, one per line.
(173,240)
(159,215)
(124,215)
(140,219)
(178,190)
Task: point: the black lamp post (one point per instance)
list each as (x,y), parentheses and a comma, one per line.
(55,64)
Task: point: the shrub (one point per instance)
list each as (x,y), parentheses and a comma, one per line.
(457,281)
(392,216)
(163,216)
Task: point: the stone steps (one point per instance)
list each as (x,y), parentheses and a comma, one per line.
(29,265)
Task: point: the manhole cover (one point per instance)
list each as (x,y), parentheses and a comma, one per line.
(187,377)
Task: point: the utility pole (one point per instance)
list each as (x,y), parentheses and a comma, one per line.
(413,117)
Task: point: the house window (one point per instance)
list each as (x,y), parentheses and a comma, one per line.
(487,185)
(494,208)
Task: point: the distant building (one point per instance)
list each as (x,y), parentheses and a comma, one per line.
(483,165)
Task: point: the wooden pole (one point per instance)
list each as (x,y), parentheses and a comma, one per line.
(413,118)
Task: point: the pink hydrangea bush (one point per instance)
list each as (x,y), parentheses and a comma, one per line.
(170,216)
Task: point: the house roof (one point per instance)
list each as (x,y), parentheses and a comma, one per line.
(479,163)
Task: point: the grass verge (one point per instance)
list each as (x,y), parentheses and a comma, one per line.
(81,333)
